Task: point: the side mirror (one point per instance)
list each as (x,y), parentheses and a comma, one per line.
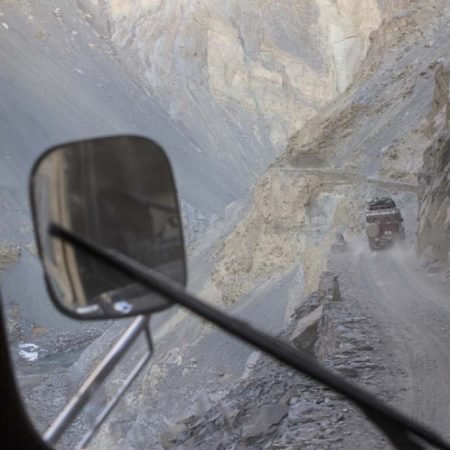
(120,193)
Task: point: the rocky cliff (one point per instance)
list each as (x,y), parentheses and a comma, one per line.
(368,142)
(434,193)
(243,79)
(240,78)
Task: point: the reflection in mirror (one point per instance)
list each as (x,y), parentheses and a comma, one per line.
(120,193)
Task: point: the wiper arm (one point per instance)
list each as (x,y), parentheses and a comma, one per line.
(404,433)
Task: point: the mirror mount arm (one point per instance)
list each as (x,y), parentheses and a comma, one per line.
(403,432)
(91,385)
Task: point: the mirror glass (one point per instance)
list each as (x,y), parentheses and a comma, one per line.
(118,192)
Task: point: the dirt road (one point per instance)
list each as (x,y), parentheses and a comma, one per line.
(412,309)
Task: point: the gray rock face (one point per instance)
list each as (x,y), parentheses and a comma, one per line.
(434,180)
(304,335)
(264,421)
(60,82)
(239,77)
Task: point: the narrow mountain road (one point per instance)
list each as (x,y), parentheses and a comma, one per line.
(412,310)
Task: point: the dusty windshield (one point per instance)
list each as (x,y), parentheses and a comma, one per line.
(309,142)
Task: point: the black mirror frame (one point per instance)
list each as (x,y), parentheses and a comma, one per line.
(52,294)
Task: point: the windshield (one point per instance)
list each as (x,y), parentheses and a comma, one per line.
(309,142)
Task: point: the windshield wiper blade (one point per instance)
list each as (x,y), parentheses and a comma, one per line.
(403,432)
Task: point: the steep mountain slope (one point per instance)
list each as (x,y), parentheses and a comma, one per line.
(367,143)
(220,87)
(238,112)
(434,179)
(240,78)
(59,82)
